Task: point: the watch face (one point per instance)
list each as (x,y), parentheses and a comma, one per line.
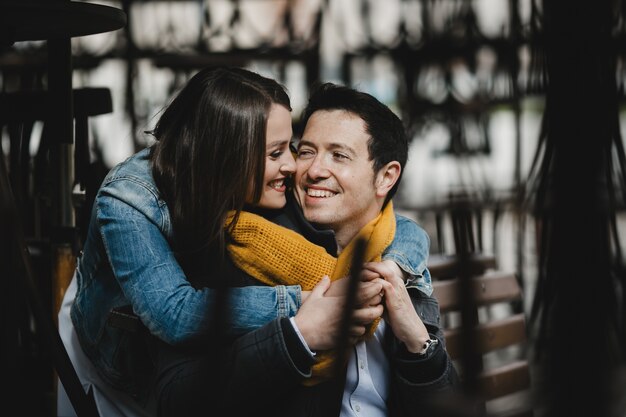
(429,346)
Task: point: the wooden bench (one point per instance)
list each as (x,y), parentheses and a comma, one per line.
(496,376)
(448,266)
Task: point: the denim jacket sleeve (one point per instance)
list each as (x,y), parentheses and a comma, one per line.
(131,222)
(410,249)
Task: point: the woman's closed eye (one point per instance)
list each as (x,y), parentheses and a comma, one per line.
(276,154)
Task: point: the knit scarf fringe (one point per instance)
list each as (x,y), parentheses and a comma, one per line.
(275,255)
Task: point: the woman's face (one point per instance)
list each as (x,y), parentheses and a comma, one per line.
(279,162)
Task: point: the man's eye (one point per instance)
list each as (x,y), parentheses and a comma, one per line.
(339,155)
(303,153)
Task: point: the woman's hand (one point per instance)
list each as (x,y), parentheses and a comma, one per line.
(320,316)
(368,292)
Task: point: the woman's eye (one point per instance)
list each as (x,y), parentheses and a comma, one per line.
(276,154)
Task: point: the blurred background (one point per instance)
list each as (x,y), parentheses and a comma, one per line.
(469,78)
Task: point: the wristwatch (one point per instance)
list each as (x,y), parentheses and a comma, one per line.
(428,347)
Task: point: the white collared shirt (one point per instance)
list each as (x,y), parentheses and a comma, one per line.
(366,389)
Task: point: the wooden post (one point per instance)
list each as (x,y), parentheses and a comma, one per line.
(61,122)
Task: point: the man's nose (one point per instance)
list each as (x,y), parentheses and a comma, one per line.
(318,168)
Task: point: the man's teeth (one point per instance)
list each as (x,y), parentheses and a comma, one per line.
(319,193)
(277,184)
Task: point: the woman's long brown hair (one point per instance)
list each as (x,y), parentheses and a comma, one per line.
(210,155)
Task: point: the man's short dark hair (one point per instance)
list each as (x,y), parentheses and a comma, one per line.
(388,139)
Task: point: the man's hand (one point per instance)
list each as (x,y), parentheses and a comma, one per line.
(399,311)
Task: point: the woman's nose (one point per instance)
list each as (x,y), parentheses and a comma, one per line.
(288,164)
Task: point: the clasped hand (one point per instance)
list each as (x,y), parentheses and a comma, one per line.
(381,292)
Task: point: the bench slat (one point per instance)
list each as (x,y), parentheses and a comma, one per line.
(489,336)
(490,288)
(504,380)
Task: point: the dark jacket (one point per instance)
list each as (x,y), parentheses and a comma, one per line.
(268,365)
(261,373)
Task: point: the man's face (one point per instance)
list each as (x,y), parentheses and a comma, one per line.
(334,179)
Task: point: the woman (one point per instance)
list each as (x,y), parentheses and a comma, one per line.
(157,236)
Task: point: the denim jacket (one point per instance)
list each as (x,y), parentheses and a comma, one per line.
(127,260)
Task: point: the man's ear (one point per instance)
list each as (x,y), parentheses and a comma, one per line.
(387,177)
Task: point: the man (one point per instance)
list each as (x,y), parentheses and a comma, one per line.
(349,164)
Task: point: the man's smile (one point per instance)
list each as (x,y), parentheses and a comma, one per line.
(319,192)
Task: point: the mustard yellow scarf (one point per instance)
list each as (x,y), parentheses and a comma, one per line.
(275,255)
